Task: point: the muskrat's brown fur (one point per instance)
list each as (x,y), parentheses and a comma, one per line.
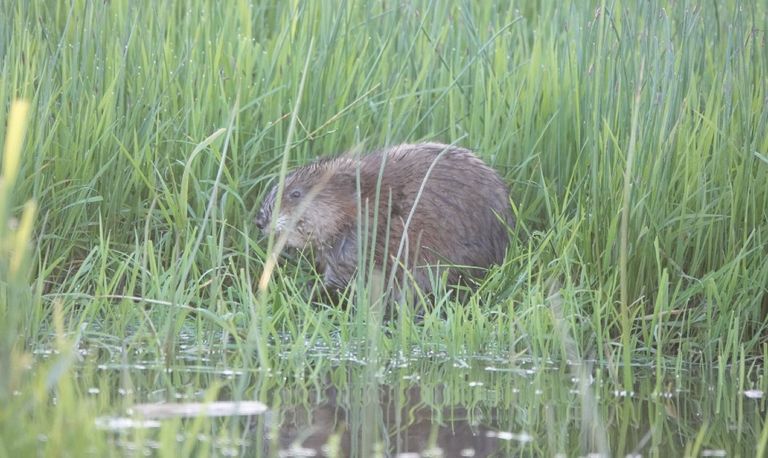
(461,216)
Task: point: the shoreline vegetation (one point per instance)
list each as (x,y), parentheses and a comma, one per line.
(139,141)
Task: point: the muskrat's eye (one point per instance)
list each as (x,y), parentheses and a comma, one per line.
(295,194)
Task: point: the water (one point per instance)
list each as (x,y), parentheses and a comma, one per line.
(425,405)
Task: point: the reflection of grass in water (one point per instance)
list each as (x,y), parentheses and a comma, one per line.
(130,247)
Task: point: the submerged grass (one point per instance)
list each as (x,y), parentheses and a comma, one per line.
(634,138)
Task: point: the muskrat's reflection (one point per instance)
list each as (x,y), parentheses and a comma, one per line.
(380,421)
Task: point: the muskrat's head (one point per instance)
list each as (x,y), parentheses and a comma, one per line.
(318,202)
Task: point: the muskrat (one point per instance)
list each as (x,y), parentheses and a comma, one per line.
(431,209)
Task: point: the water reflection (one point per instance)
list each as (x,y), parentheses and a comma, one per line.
(384,420)
(476,412)
(430,406)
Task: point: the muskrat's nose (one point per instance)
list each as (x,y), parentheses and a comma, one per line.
(261,221)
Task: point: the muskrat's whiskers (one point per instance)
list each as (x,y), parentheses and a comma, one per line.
(281,223)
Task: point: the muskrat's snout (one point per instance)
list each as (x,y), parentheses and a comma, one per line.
(261,220)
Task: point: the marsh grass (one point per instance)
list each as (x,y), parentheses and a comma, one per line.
(634,139)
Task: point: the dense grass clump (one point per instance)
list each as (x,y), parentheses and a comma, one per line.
(633,135)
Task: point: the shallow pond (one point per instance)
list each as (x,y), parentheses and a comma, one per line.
(432,405)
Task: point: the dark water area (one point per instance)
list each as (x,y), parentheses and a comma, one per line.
(493,411)
(420,406)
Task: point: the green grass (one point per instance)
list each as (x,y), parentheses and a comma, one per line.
(634,140)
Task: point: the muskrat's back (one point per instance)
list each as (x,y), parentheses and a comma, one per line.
(432,206)
(461,204)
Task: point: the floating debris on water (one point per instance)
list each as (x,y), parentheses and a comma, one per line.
(195,409)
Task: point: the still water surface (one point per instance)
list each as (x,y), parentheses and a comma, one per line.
(429,405)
